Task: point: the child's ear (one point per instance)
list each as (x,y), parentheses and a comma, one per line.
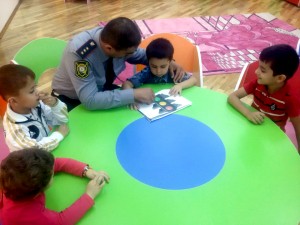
(281,78)
(12,100)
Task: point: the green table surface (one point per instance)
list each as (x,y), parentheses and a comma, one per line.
(259,183)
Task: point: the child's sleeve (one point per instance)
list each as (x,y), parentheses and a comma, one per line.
(186,76)
(76,211)
(68,165)
(18,138)
(70,215)
(250,86)
(141,77)
(57,114)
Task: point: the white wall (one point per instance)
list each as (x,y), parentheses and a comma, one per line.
(6,9)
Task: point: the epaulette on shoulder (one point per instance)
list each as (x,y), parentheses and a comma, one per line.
(86,48)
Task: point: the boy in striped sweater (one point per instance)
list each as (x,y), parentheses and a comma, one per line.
(30,114)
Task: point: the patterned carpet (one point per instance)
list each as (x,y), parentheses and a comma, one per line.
(226,42)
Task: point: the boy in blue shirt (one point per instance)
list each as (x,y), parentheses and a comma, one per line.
(159,54)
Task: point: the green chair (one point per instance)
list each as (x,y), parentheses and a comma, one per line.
(40,54)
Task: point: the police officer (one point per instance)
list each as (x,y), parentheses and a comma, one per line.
(93,59)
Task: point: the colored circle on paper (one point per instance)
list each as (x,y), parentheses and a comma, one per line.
(152,154)
(162,103)
(169,108)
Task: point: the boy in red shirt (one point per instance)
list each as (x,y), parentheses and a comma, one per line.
(274,96)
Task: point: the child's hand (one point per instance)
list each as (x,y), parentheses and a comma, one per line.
(63,129)
(176,90)
(91,174)
(95,186)
(47,99)
(133,106)
(256,117)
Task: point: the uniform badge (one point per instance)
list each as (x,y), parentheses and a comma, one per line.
(82,68)
(86,48)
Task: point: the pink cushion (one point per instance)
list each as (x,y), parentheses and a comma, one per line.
(3,147)
(290,132)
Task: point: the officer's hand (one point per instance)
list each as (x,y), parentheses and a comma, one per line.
(144,95)
(177,72)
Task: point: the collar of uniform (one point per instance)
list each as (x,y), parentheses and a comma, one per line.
(97,40)
(13,116)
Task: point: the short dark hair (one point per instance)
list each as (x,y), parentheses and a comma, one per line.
(26,173)
(121,33)
(13,78)
(283,59)
(160,48)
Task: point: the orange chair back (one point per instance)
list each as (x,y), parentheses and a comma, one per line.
(3,105)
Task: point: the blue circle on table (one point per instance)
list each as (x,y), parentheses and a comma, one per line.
(175,152)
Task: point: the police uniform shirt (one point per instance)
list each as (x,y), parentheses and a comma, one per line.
(81,74)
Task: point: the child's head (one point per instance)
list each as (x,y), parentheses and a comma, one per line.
(26,173)
(17,86)
(281,61)
(120,37)
(159,54)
